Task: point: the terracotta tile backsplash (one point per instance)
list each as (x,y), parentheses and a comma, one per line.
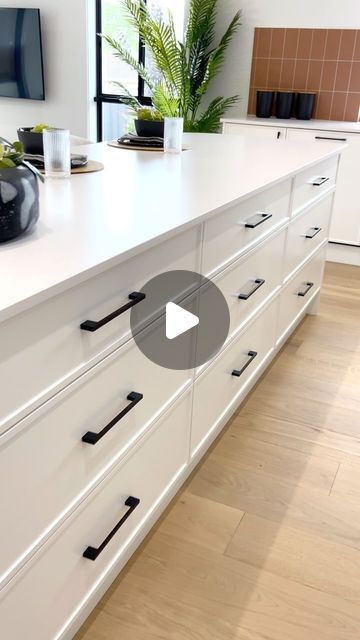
(321,61)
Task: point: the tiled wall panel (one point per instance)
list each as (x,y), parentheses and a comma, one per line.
(321,61)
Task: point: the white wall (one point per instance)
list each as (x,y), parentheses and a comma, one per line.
(327,14)
(68,28)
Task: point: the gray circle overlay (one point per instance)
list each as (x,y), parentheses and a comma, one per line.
(194,293)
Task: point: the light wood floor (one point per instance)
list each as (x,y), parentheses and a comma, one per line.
(264,542)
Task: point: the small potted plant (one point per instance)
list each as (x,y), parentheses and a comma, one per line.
(32,139)
(149,122)
(19,192)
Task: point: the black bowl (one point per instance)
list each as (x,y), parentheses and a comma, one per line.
(149,128)
(33,142)
(19,201)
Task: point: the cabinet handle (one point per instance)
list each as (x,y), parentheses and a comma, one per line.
(313,232)
(93,438)
(91,553)
(309,285)
(318,182)
(254,222)
(237,373)
(332,139)
(258,283)
(91,325)
(278,135)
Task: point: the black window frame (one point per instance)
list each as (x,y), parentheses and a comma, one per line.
(101,97)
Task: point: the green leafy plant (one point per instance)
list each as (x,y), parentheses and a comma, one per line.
(145,113)
(185,69)
(40,128)
(11,156)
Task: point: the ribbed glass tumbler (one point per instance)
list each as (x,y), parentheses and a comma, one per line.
(57,157)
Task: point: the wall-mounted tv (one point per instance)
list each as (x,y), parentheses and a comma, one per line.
(21,62)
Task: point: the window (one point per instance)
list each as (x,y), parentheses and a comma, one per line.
(111,20)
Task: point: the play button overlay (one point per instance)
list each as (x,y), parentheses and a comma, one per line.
(182,322)
(178,320)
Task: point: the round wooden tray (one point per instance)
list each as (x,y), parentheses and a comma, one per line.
(117,145)
(90,167)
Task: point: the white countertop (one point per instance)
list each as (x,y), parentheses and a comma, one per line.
(94,221)
(323,125)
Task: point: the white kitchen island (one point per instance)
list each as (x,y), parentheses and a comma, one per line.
(241,211)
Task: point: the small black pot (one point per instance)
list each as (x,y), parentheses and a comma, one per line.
(264,103)
(19,201)
(33,142)
(284,104)
(305,105)
(150,128)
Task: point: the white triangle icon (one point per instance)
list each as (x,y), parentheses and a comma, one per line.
(178,320)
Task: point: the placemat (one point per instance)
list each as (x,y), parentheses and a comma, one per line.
(91,167)
(115,143)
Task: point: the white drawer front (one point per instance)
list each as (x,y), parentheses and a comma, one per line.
(44,348)
(227,236)
(306,233)
(299,291)
(218,389)
(59,576)
(311,183)
(48,449)
(264,131)
(254,278)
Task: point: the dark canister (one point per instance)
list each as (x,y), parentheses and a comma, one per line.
(264,103)
(305,103)
(284,104)
(19,201)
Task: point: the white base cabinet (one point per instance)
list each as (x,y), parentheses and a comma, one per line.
(345,224)
(73,512)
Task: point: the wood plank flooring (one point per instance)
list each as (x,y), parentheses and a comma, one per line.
(263,543)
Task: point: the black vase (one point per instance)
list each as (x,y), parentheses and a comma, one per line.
(19,201)
(284,104)
(264,103)
(150,128)
(305,105)
(33,142)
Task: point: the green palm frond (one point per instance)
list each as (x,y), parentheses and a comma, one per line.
(166,104)
(185,68)
(209,121)
(121,52)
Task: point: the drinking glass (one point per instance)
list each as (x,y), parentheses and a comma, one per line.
(173,134)
(57,158)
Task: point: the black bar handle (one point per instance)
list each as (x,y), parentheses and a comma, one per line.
(332,139)
(318,182)
(93,438)
(309,285)
(258,283)
(237,373)
(91,325)
(92,553)
(257,219)
(313,232)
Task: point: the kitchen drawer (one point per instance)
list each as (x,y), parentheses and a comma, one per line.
(254,277)
(264,131)
(306,188)
(44,348)
(220,386)
(47,446)
(45,594)
(228,234)
(299,292)
(307,232)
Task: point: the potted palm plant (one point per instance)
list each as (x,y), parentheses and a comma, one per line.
(19,192)
(184,70)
